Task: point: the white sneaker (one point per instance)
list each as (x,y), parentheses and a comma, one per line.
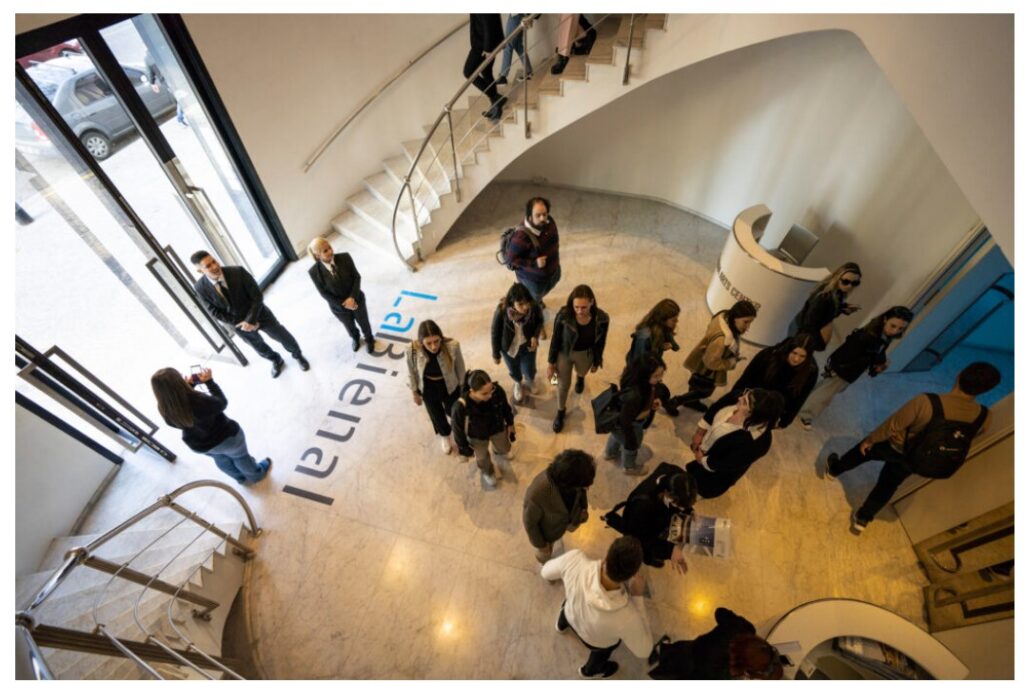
(489,480)
(517,392)
(446,445)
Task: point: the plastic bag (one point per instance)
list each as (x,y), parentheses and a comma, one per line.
(700,535)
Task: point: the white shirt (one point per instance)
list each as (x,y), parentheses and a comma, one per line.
(600,617)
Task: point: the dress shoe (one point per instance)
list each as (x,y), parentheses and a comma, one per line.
(277,368)
(559,65)
(559,422)
(371,345)
(494,113)
(355,344)
(303,363)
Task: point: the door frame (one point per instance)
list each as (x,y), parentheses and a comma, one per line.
(202,84)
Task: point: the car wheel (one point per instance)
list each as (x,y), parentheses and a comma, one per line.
(97,144)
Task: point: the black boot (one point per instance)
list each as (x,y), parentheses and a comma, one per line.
(559,65)
(559,422)
(670,407)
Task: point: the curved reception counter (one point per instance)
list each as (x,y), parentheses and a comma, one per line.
(840,638)
(746,270)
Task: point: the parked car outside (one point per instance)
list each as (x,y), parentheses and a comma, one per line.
(68,49)
(87,104)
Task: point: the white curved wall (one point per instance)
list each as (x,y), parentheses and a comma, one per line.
(806,124)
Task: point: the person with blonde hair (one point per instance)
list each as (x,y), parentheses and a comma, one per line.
(336,278)
(826,303)
(204,426)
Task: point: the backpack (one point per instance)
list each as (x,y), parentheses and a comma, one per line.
(502,255)
(939,450)
(607,409)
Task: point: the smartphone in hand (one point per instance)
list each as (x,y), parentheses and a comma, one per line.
(194,371)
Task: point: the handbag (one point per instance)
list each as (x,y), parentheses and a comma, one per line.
(607,409)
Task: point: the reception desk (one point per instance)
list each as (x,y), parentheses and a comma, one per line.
(747,271)
(805,634)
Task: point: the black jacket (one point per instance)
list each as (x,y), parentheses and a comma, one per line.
(730,456)
(563,338)
(861,351)
(210,425)
(342,285)
(819,311)
(471,419)
(648,518)
(633,402)
(755,376)
(706,657)
(503,330)
(485,32)
(244,298)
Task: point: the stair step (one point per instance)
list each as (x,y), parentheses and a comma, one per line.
(358,230)
(85,578)
(442,167)
(126,542)
(386,189)
(397,167)
(379,215)
(639,26)
(120,594)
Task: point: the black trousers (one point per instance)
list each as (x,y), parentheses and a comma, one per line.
(439,404)
(485,79)
(700,387)
(599,656)
(276,331)
(357,317)
(889,479)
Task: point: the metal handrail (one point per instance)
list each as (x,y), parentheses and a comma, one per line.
(79,556)
(35,663)
(189,643)
(456,161)
(445,112)
(369,99)
(539,68)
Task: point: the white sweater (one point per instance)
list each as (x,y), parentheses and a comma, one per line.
(600,617)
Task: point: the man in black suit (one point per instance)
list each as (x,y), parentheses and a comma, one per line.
(232,296)
(337,279)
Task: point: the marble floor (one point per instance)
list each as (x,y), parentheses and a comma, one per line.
(405,568)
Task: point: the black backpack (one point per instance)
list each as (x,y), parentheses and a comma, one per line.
(645,489)
(939,450)
(502,254)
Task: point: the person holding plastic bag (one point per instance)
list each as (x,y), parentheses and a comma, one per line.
(663,498)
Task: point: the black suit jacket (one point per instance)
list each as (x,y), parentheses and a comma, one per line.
(244,298)
(341,286)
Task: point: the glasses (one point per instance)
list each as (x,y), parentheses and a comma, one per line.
(849,283)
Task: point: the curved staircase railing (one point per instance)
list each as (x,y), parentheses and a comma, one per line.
(32,635)
(452,178)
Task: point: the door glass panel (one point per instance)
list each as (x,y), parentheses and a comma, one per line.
(80,281)
(195,142)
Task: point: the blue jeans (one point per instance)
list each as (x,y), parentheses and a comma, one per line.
(522,365)
(538,290)
(617,445)
(516,44)
(233,459)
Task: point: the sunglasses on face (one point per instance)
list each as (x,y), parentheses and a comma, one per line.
(849,283)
